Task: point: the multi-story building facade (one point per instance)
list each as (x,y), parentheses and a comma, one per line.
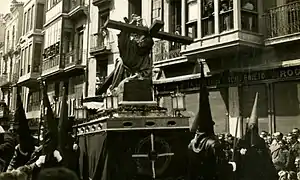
(65,50)
(11,59)
(31,44)
(249,46)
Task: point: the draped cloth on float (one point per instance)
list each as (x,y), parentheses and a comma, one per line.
(112,155)
(93,156)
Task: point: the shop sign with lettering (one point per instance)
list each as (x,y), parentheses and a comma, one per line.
(235,78)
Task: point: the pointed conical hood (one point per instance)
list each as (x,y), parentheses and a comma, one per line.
(203,121)
(25,138)
(65,134)
(253,121)
(20,117)
(50,139)
(252,137)
(65,126)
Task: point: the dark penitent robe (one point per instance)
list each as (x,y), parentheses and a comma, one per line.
(208,160)
(256,163)
(7,146)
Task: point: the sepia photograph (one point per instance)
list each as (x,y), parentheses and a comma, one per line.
(149,90)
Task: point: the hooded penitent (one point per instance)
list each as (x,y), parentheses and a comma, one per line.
(25,138)
(256,163)
(203,121)
(65,140)
(50,141)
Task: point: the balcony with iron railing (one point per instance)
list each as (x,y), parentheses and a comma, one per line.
(78,9)
(52,61)
(52,65)
(283,23)
(165,50)
(29,74)
(73,60)
(5,80)
(101,43)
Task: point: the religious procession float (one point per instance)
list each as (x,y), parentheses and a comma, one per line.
(132,137)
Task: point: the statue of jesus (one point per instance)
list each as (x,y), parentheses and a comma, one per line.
(134,61)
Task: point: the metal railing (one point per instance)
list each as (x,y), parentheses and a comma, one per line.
(74,56)
(163,50)
(283,20)
(52,62)
(69,58)
(100,40)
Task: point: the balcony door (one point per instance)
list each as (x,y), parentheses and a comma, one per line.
(103,17)
(134,7)
(80,46)
(101,73)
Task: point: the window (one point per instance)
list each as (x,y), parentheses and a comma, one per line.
(22,63)
(80,47)
(208,17)
(29,58)
(249,15)
(31,18)
(67,46)
(192,14)
(226,15)
(7,40)
(101,74)
(52,3)
(5,66)
(39,16)
(103,17)
(175,16)
(71,85)
(28,20)
(34,101)
(13,37)
(37,57)
(135,7)
(157,10)
(24,23)
(175,23)
(25,60)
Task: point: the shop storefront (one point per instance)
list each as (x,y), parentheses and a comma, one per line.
(279,96)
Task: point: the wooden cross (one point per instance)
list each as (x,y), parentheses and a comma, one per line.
(154,31)
(152,156)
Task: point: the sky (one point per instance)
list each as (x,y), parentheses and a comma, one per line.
(4,6)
